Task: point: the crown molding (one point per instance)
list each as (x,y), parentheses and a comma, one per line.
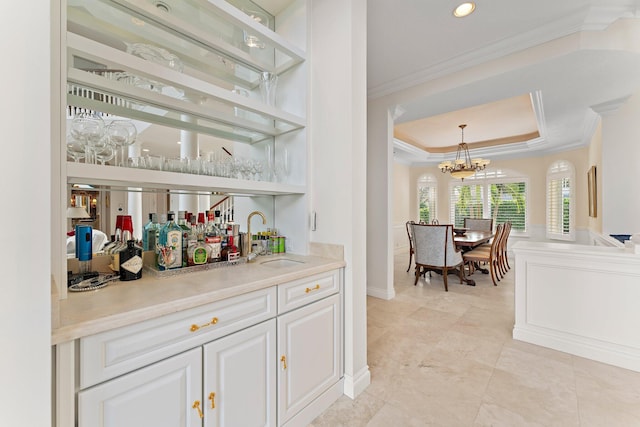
(589,19)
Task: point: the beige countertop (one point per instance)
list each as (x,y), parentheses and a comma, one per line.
(123,303)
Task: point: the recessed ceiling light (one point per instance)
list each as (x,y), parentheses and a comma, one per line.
(146,150)
(465,9)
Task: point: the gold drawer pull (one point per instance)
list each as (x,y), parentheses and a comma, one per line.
(196,405)
(195,327)
(283,359)
(212,398)
(315,288)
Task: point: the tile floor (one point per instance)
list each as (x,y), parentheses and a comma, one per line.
(447,359)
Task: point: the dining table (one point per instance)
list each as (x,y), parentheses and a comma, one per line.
(471,239)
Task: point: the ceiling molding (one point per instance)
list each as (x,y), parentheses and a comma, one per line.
(573,23)
(538,111)
(609,107)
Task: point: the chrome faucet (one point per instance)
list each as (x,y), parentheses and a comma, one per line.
(264,221)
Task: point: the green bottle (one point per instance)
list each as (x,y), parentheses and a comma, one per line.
(170,241)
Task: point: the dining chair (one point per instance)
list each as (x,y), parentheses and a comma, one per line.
(435,250)
(479,224)
(504,260)
(487,254)
(411,251)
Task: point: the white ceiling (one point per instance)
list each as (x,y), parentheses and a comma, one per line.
(573,58)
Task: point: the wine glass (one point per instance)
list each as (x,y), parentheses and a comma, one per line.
(104,152)
(258,167)
(121,134)
(75,148)
(87,126)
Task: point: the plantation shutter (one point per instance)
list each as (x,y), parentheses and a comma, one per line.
(560,223)
(466,201)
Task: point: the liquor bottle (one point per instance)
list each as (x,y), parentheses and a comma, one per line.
(230,252)
(150,233)
(212,238)
(131,262)
(182,223)
(201,227)
(171,240)
(198,253)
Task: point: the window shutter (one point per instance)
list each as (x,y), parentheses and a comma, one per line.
(427,196)
(508,202)
(560,202)
(466,201)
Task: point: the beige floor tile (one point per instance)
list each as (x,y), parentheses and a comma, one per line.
(447,359)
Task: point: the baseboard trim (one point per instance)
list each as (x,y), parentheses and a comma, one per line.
(385,294)
(589,348)
(354,385)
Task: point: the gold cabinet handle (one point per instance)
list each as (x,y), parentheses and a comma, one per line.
(196,405)
(212,398)
(315,288)
(195,327)
(283,359)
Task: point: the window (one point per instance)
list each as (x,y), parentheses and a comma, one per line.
(560,201)
(497,194)
(427,196)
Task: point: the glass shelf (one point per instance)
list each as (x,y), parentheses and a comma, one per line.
(205,35)
(121,178)
(104,79)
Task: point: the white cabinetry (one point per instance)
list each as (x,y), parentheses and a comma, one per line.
(240,378)
(160,395)
(310,349)
(234,362)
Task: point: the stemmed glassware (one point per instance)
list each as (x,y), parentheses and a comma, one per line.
(104,152)
(75,148)
(121,133)
(87,127)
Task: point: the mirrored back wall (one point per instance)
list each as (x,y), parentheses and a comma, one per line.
(101,205)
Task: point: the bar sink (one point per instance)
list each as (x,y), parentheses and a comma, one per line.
(281,263)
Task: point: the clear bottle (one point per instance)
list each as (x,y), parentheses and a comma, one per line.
(170,239)
(182,223)
(131,262)
(212,238)
(150,233)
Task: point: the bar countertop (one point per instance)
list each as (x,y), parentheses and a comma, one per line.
(123,303)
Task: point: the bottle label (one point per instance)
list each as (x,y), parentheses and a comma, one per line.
(133,264)
(215,250)
(174,239)
(199,256)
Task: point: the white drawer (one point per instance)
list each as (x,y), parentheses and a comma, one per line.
(304,291)
(112,353)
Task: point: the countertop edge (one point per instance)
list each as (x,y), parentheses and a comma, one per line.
(73,331)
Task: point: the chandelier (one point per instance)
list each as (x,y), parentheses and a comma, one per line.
(463,167)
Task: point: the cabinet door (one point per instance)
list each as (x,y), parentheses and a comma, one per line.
(309,354)
(240,378)
(160,395)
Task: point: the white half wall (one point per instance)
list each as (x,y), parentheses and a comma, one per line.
(579,299)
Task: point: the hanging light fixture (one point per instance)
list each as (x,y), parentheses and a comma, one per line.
(463,167)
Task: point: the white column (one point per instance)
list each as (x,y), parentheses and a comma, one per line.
(32,147)
(379,202)
(338,177)
(134,199)
(189,149)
